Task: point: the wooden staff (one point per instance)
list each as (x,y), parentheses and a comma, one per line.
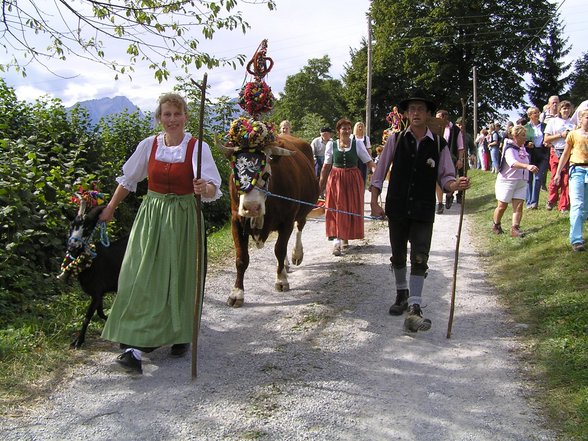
(462,208)
(199,227)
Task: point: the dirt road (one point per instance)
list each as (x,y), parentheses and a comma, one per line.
(323,361)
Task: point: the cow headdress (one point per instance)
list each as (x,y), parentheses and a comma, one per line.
(251,140)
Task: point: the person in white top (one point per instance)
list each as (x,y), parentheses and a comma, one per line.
(360,135)
(155,301)
(556,131)
(318,147)
(575,119)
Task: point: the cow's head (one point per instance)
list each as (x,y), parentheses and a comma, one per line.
(251,175)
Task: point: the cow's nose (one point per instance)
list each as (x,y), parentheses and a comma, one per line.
(252,209)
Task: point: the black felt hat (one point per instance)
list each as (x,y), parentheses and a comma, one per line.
(326,129)
(418,95)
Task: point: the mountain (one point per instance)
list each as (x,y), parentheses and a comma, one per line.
(107,106)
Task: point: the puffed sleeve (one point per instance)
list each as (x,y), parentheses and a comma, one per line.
(135,169)
(329,152)
(362,152)
(209,171)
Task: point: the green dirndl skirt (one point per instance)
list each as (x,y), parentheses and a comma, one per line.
(154,305)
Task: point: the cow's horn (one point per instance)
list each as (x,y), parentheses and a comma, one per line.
(278,151)
(224,148)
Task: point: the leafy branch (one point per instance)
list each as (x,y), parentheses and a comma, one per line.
(157,32)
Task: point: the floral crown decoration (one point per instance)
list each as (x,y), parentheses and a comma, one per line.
(256,98)
(248,133)
(91,197)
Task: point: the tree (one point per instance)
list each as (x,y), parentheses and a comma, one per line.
(548,77)
(312,90)
(579,80)
(153,31)
(434,45)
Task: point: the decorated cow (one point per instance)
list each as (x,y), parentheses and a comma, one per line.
(265,187)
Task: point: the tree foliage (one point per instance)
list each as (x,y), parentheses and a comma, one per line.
(46,153)
(312,90)
(548,77)
(151,31)
(434,45)
(578,91)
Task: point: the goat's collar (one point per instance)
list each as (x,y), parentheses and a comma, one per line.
(80,263)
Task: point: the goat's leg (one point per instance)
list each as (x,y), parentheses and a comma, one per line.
(100,309)
(81,337)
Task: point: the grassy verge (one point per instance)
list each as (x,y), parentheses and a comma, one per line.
(34,351)
(540,280)
(545,285)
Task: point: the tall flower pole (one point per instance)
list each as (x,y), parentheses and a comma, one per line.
(462,208)
(200,264)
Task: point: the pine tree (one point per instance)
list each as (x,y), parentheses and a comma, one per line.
(578,91)
(548,76)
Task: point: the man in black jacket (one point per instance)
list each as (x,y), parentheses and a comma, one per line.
(420,160)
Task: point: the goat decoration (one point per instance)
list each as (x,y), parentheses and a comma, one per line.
(96,266)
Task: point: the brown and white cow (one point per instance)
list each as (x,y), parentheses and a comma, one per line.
(285,169)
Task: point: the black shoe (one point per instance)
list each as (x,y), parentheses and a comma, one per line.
(128,361)
(414,321)
(448,201)
(179,350)
(458,198)
(401,303)
(439,208)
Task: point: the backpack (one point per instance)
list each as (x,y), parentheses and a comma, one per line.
(507,145)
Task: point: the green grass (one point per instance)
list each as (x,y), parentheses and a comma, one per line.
(545,285)
(539,279)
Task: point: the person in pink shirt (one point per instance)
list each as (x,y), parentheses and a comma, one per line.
(420,160)
(511,182)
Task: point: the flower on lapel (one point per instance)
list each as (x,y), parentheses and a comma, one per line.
(431,162)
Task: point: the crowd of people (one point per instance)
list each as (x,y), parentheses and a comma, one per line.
(547,133)
(421,165)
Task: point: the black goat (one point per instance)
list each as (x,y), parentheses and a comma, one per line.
(101,276)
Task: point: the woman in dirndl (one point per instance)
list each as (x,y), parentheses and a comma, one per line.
(344,187)
(154,305)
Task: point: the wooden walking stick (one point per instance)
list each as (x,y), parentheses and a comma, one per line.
(199,231)
(462,208)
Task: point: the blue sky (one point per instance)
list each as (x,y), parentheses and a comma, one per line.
(297,31)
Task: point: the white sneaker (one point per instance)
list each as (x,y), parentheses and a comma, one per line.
(337,248)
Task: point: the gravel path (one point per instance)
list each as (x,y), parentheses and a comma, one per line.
(323,361)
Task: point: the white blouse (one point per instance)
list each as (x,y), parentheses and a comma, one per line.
(135,169)
(362,153)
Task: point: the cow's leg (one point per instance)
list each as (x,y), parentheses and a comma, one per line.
(298,251)
(241,240)
(281,249)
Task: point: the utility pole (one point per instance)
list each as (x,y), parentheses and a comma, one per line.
(475,81)
(368,94)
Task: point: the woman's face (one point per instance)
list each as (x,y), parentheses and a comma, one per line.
(345,131)
(565,111)
(285,129)
(520,138)
(172,118)
(534,116)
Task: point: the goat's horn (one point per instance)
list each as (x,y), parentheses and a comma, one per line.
(83,205)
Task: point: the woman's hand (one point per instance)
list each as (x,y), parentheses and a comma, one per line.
(556,179)
(107,214)
(202,187)
(532,168)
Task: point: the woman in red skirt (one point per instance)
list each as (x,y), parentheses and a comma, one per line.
(344,187)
